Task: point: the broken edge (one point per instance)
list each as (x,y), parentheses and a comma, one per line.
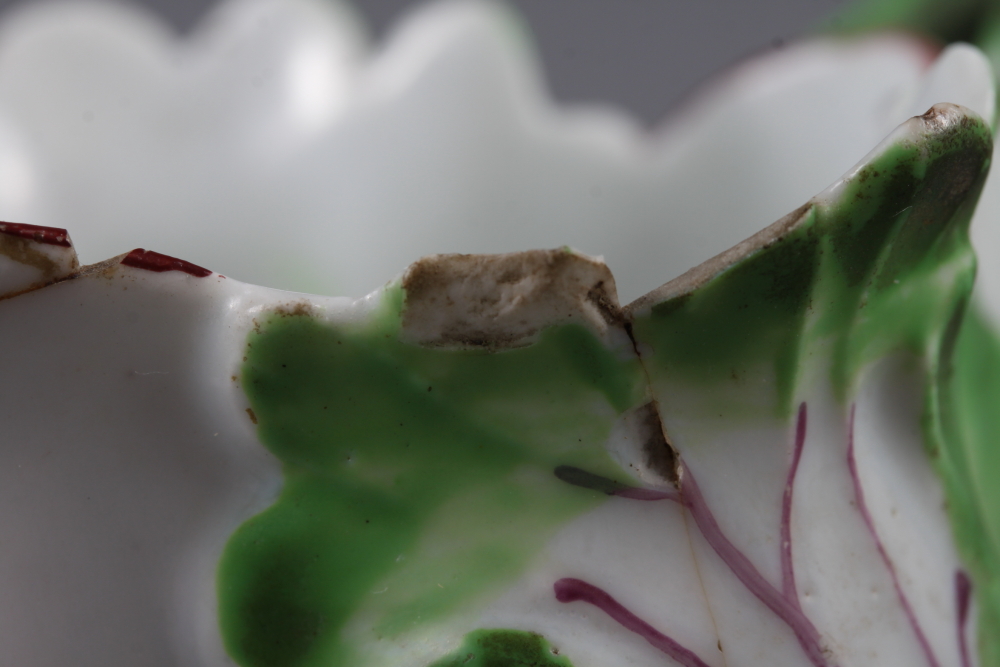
(32,257)
(504,301)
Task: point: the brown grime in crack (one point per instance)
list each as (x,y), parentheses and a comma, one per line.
(660,455)
(606,304)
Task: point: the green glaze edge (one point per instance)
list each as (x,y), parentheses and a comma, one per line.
(969,379)
(969,391)
(504,648)
(881,266)
(443,441)
(945,21)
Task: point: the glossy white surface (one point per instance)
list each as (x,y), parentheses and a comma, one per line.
(271,147)
(125,466)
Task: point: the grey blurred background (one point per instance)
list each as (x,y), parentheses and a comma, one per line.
(642,55)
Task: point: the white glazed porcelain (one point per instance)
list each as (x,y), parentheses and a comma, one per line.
(271,147)
(441,141)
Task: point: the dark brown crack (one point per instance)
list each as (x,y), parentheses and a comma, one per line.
(660,455)
(606,304)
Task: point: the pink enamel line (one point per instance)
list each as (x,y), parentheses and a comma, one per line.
(573,590)
(787,569)
(859,497)
(749,576)
(784,604)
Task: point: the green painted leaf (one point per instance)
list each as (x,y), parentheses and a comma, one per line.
(388,448)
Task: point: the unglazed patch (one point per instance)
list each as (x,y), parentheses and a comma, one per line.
(502,301)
